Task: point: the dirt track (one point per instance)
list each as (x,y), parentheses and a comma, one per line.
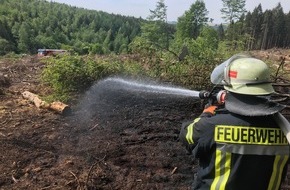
(113,139)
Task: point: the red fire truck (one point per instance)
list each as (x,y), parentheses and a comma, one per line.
(49,52)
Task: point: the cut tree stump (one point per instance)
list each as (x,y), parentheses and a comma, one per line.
(60,108)
(57,107)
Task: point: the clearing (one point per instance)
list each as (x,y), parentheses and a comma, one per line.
(114,139)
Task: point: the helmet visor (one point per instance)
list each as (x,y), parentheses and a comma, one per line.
(217,75)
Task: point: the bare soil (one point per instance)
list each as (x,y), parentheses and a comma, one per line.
(114,139)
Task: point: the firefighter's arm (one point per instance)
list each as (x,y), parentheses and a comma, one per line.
(186,135)
(191,131)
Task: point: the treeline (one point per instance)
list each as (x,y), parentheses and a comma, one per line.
(262,29)
(28,25)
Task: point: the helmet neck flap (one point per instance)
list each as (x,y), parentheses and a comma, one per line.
(249,105)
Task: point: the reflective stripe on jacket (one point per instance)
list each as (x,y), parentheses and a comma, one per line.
(237,152)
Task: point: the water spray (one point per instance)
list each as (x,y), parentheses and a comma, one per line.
(131,85)
(215,96)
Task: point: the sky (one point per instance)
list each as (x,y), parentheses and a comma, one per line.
(175,8)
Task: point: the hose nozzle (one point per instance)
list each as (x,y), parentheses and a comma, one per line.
(218,97)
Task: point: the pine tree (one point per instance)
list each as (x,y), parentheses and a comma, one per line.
(279,31)
(221,32)
(233,9)
(267,30)
(287,37)
(256,25)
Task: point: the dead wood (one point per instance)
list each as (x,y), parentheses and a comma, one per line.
(60,108)
(57,106)
(35,99)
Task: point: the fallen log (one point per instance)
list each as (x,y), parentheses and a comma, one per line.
(35,99)
(57,107)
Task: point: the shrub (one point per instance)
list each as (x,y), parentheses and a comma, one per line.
(72,74)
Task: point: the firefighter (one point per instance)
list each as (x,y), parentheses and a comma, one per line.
(239,146)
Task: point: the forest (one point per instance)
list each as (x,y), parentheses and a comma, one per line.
(32,24)
(28,25)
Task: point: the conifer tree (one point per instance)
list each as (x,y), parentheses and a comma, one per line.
(233,9)
(221,32)
(279,31)
(287,37)
(267,30)
(256,25)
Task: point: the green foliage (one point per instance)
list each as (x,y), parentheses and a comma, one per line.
(279,30)
(188,29)
(24,42)
(194,71)
(74,74)
(260,30)
(221,32)
(28,25)
(144,48)
(5,46)
(253,26)
(187,73)
(31,24)
(160,12)
(203,49)
(191,22)
(225,50)
(35,24)
(156,31)
(12,57)
(200,51)
(70,74)
(235,38)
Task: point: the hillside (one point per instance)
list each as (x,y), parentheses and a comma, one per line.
(29,25)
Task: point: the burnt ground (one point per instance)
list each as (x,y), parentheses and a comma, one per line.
(114,138)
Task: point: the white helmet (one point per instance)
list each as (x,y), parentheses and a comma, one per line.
(248,81)
(244,75)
